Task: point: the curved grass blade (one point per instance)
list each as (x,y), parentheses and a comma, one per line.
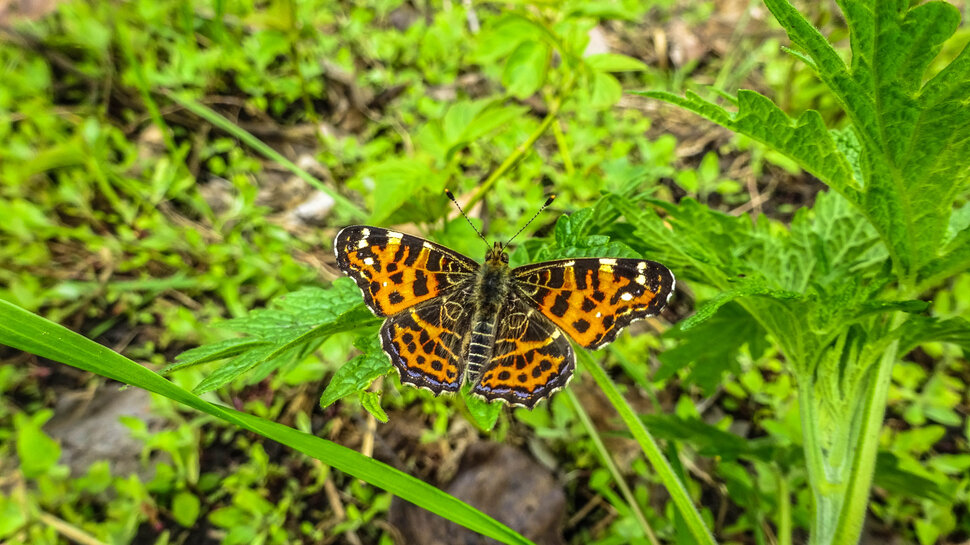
(26,331)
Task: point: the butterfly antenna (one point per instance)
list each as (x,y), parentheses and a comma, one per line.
(548,202)
(454,200)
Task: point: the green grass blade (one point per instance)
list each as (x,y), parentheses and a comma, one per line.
(25,331)
(258,145)
(665,472)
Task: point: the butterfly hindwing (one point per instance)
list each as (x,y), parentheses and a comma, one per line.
(426,342)
(531,358)
(591,299)
(396,271)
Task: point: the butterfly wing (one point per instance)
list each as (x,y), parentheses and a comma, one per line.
(426,342)
(531,358)
(397,271)
(591,299)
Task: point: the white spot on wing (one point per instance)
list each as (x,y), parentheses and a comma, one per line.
(365,232)
(607,262)
(599,314)
(642,280)
(642,266)
(626,296)
(569,264)
(368,261)
(362,243)
(427,245)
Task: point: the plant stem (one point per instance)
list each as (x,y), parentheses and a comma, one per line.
(260,146)
(652,451)
(611,467)
(516,155)
(856,498)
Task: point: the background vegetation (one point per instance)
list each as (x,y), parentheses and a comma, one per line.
(172,176)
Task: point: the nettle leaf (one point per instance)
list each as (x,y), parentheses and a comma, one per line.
(914,137)
(921,329)
(712,347)
(903,160)
(283,335)
(805,140)
(356,375)
(574,238)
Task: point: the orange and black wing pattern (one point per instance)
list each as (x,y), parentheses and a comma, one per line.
(425,343)
(591,299)
(531,358)
(397,271)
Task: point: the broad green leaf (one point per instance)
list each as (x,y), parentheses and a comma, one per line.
(38,453)
(22,330)
(356,375)
(525,69)
(390,184)
(185,508)
(604,90)
(612,62)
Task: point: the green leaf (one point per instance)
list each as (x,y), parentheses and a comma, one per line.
(357,374)
(371,402)
(185,508)
(709,440)
(483,413)
(525,69)
(805,140)
(22,330)
(213,352)
(612,62)
(604,90)
(921,329)
(392,183)
(38,453)
(294,327)
(712,347)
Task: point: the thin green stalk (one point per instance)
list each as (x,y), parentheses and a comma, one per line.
(258,145)
(515,156)
(611,467)
(144,89)
(784,522)
(651,450)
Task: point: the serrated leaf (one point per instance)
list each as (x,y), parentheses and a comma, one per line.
(921,329)
(612,62)
(212,352)
(371,402)
(392,183)
(525,69)
(357,374)
(711,348)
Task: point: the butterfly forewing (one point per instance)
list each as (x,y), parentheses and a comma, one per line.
(592,300)
(531,357)
(397,271)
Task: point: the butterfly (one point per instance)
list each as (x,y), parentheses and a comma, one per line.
(504,331)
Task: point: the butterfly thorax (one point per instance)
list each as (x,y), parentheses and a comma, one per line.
(490,291)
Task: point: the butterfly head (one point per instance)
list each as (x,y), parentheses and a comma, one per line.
(496,256)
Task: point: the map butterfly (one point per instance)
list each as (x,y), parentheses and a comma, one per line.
(505,331)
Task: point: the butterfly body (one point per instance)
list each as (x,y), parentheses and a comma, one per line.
(452,320)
